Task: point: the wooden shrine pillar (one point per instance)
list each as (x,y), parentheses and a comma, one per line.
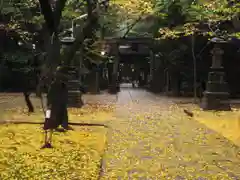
(152,71)
(114,84)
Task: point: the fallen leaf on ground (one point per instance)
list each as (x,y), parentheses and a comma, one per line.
(76,154)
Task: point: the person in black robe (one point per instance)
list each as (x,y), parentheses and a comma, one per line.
(57,105)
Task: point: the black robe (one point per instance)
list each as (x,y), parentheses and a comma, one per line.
(57,103)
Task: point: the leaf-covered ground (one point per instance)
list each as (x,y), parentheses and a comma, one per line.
(149,138)
(152,138)
(225,123)
(76,154)
(12,107)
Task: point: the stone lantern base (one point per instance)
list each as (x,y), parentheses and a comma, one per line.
(216,96)
(216,101)
(74,94)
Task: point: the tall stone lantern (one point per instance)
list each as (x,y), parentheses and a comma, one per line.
(74,93)
(216,96)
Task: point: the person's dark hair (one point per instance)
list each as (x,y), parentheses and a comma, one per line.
(61,73)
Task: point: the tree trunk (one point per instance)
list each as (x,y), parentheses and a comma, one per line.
(167,81)
(52,20)
(110,72)
(97,82)
(175,83)
(28,101)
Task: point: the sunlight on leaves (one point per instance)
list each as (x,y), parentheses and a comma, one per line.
(76,155)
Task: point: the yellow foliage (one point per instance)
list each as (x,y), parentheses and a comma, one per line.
(151,142)
(134,8)
(88,113)
(148,140)
(225,123)
(76,154)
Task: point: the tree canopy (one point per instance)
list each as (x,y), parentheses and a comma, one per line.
(171,18)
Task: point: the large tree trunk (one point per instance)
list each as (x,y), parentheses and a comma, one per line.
(52,21)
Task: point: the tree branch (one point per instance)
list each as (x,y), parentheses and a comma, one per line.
(48,15)
(60,4)
(52,19)
(83,33)
(132,26)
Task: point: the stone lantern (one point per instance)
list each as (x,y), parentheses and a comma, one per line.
(67,41)
(216,96)
(74,93)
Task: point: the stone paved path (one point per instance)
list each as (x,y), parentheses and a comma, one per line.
(152,139)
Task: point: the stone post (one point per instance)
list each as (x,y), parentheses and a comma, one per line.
(216,96)
(97,83)
(153,78)
(152,63)
(114,85)
(80,65)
